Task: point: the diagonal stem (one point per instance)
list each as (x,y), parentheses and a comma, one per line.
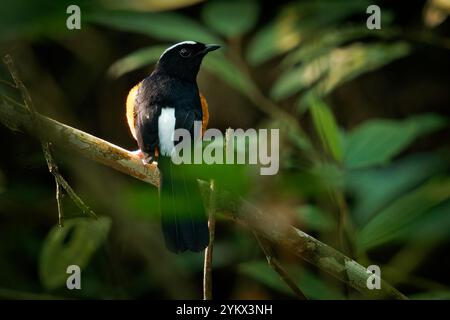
(207,271)
(278,268)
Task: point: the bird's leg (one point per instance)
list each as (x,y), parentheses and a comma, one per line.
(145,157)
(138,153)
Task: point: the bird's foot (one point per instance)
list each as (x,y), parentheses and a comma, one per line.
(138,153)
(145,158)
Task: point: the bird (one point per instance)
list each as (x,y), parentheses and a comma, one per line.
(166,100)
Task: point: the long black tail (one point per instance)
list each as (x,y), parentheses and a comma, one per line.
(184,222)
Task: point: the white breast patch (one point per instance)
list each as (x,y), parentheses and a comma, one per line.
(166,131)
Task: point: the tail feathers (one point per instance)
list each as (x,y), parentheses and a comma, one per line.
(183,218)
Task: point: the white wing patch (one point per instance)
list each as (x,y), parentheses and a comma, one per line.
(166,131)
(176,45)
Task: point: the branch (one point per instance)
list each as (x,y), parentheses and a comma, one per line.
(275,265)
(207,271)
(277,232)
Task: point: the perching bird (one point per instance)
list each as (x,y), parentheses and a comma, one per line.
(166,100)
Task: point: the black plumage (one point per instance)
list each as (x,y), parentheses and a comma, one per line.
(173,85)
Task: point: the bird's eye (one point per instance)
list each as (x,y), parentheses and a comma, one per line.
(185,53)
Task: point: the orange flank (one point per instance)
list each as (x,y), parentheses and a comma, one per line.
(205,112)
(131,110)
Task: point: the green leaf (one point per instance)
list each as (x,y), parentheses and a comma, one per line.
(386,225)
(330,38)
(431,227)
(165,26)
(431,295)
(375,142)
(74,244)
(336,67)
(340,65)
(231,18)
(148,5)
(312,13)
(329,175)
(298,78)
(141,58)
(261,272)
(374,188)
(310,284)
(315,219)
(220,66)
(326,127)
(298,23)
(350,62)
(273,40)
(23,20)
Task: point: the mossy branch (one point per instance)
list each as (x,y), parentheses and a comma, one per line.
(277,232)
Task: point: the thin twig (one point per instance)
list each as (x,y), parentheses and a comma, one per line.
(51,163)
(59,197)
(59,179)
(9,84)
(278,268)
(207,270)
(10,100)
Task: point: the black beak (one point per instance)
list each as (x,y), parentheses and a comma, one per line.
(211,47)
(208,48)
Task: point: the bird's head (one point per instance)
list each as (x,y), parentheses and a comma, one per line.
(183,59)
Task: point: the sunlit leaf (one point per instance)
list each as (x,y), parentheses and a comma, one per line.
(297,23)
(299,78)
(231,18)
(375,142)
(435,12)
(141,58)
(148,5)
(331,38)
(336,67)
(165,26)
(274,39)
(326,127)
(74,244)
(387,224)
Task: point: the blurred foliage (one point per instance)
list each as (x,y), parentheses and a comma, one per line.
(377,141)
(358,149)
(73,244)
